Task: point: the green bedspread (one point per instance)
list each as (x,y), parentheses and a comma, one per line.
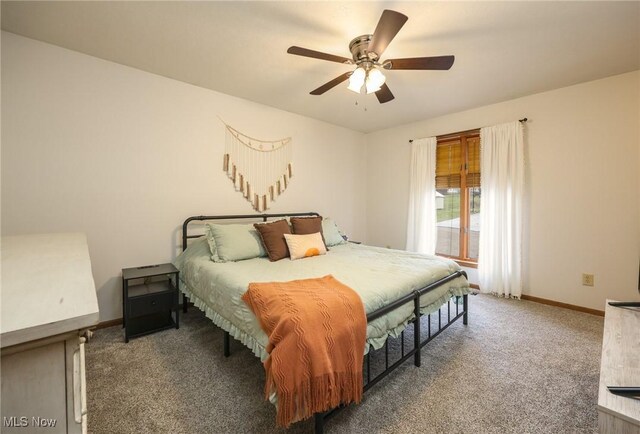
(378,275)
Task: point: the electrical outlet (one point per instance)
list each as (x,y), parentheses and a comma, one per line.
(587,279)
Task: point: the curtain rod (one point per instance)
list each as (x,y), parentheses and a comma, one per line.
(523,120)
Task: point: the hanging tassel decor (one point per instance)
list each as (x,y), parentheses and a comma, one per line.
(261,170)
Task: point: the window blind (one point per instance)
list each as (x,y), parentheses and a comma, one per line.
(450,163)
(473,158)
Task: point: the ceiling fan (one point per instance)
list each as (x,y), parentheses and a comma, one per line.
(366,51)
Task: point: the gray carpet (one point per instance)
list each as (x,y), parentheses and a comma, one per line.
(518,367)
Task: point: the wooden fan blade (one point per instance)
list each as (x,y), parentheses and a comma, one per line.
(299,51)
(437,62)
(388,27)
(333,83)
(384,94)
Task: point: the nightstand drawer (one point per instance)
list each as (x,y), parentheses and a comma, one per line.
(152,303)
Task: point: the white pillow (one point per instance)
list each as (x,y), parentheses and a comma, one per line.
(304,246)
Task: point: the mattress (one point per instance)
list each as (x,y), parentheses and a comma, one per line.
(379,276)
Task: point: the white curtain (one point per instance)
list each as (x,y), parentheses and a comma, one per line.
(421,224)
(502,172)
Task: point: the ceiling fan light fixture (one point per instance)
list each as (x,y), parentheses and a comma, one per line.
(356,81)
(375,80)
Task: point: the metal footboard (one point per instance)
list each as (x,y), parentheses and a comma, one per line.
(418,342)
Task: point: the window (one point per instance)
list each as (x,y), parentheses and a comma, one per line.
(458,196)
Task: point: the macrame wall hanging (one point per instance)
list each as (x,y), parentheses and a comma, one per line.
(259,169)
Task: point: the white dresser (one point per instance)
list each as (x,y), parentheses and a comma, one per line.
(620,366)
(48,303)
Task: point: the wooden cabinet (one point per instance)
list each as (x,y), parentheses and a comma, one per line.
(44,387)
(48,303)
(620,366)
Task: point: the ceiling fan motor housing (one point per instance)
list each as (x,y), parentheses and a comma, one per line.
(359,48)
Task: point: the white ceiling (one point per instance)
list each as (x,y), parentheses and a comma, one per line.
(503,49)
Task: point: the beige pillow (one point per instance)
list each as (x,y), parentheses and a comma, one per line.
(304,246)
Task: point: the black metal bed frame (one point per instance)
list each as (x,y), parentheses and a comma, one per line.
(413,297)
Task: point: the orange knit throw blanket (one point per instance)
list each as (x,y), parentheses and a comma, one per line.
(317,330)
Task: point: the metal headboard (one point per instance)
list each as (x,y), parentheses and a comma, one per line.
(264,217)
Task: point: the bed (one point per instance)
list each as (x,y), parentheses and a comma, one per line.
(395,286)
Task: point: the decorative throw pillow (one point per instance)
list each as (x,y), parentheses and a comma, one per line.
(272,235)
(233,242)
(306,225)
(331,233)
(304,246)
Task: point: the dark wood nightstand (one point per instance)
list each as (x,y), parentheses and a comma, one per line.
(149,299)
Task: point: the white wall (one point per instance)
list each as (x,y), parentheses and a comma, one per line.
(125,156)
(582,187)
